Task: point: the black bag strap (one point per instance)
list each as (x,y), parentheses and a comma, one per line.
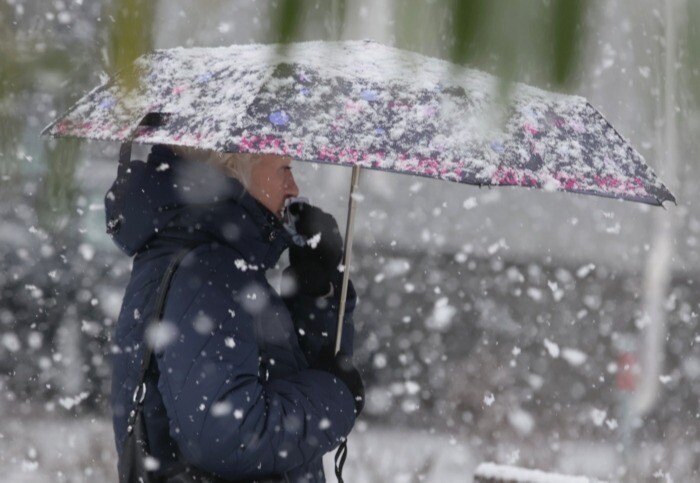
(161,294)
(340,455)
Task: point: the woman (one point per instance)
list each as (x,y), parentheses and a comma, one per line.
(243,384)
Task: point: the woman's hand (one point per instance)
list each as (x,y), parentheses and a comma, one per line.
(314,266)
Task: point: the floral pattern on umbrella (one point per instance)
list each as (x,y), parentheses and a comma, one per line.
(361,103)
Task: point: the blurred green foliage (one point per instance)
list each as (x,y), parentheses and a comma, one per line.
(536,41)
(131,35)
(467,20)
(289,20)
(9,80)
(291,17)
(567,16)
(691,42)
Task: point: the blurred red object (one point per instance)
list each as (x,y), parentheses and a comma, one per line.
(627,372)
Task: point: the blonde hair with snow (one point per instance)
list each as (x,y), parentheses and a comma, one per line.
(234,165)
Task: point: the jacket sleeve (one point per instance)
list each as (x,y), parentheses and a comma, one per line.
(316,321)
(224,419)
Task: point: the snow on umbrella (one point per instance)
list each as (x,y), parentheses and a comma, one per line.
(358,103)
(362,104)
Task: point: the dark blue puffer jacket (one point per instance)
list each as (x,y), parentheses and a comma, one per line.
(210,400)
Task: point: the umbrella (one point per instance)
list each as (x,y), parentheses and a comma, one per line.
(363,104)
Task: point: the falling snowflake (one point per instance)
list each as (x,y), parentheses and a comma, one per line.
(573,356)
(552,348)
(314,240)
(151,463)
(598,416)
(70,402)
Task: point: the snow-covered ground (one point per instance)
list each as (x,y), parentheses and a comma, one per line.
(62,449)
(39,449)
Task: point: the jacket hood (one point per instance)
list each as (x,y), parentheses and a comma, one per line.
(174,197)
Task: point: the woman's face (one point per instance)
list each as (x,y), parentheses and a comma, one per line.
(272,182)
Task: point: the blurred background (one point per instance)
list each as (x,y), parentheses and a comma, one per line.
(543,330)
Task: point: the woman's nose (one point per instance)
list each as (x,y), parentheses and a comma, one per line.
(291,186)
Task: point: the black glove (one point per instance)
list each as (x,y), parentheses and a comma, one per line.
(341,367)
(314,266)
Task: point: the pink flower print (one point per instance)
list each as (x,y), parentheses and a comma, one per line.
(351,106)
(531,129)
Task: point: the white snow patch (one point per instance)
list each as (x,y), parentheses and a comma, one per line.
(489,398)
(557,293)
(70,402)
(151,463)
(664,379)
(585,270)
(29,466)
(86,251)
(470,203)
(11,342)
(358,197)
(614,229)
(409,406)
(535,294)
(412,387)
(598,416)
(161,334)
(552,348)
(573,356)
(224,27)
(242,265)
(221,408)
(495,247)
(396,267)
(379,361)
(442,315)
(35,339)
(521,420)
(314,240)
(34,291)
(494,472)
(416,187)
(203,324)
(662,475)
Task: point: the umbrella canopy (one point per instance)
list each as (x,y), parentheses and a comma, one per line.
(358,103)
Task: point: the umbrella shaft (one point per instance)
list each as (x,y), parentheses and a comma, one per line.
(354,183)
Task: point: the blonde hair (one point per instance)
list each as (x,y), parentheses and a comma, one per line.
(234,165)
